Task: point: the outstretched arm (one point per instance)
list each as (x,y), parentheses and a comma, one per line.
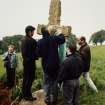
(60,39)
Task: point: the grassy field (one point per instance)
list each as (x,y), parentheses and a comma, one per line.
(97,72)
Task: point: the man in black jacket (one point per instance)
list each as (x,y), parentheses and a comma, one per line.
(70,71)
(85,53)
(48,51)
(28,49)
(86,56)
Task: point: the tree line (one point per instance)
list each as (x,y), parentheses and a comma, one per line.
(98,37)
(6,41)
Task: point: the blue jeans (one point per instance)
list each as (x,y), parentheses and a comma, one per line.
(51,90)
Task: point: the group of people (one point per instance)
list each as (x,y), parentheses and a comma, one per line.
(61,70)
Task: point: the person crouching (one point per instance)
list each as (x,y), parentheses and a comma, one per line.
(70,71)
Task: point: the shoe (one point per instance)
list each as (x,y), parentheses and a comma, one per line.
(30,98)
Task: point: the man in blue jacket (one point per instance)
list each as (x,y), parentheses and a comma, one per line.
(48,51)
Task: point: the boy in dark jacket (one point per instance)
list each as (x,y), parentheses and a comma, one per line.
(70,72)
(10,63)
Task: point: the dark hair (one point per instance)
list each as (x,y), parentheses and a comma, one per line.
(73,48)
(83,38)
(29,28)
(44,31)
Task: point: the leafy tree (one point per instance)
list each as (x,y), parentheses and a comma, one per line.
(1,47)
(98,37)
(15,40)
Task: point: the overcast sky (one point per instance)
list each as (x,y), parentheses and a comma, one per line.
(85,16)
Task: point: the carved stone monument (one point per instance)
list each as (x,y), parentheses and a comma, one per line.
(55,12)
(54,18)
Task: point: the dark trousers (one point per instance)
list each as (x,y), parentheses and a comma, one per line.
(28,78)
(10,77)
(71,92)
(51,90)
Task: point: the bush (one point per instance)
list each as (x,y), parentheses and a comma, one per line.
(37,85)
(16,92)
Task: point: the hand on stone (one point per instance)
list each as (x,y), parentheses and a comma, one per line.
(59,31)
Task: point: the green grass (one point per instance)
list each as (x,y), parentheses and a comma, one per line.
(20,67)
(2,70)
(97,73)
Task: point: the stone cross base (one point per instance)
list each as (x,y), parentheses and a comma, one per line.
(65,29)
(40,99)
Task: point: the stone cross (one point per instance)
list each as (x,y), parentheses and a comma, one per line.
(54,18)
(55,12)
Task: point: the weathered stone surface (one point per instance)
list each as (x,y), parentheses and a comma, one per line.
(55,12)
(65,29)
(23,102)
(54,18)
(40,99)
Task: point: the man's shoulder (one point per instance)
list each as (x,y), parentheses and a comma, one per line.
(76,55)
(45,39)
(68,59)
(41,40)
(34,40)
(57,36)
(27,39)
(85,47)
(24,39)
